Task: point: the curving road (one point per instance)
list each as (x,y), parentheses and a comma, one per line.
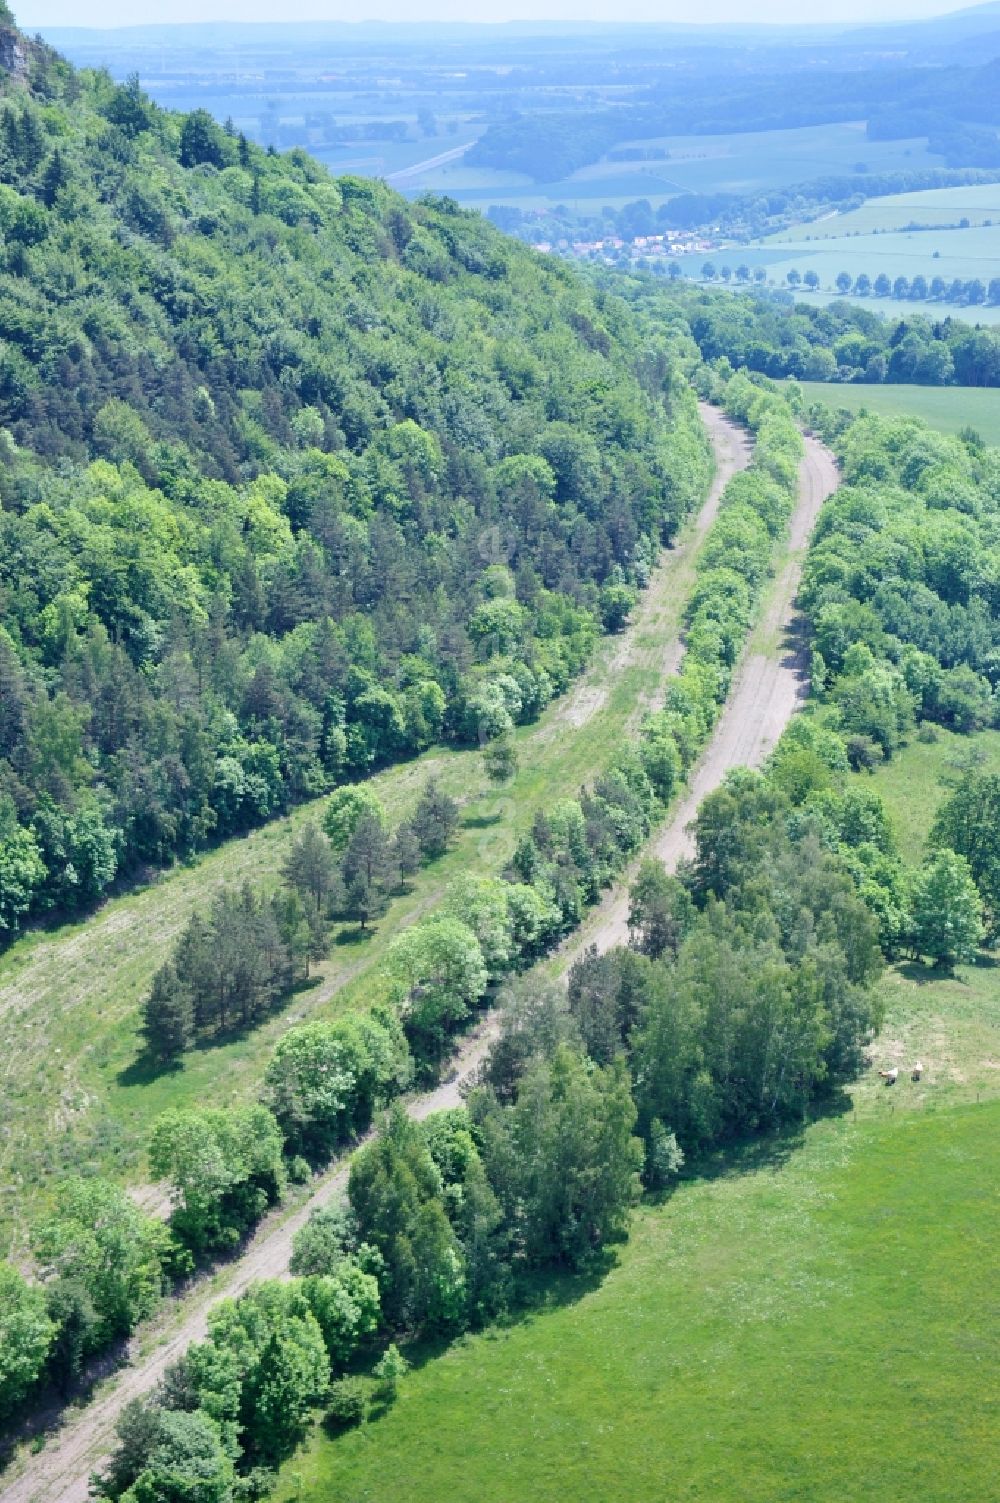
(767,691)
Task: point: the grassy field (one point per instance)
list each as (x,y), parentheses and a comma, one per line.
(972,252)
(949,408)
(913,784)
(812,1319)
(71,1096)
(978,203)
(735,163)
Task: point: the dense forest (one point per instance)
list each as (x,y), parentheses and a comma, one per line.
(297,479)
(844,342)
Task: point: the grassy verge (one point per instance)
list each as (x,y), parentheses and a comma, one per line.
(810,1318)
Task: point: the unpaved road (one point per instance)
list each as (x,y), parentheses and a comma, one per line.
(652,640)
(764,698)
(770,684)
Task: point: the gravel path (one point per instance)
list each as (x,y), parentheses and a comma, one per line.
(765,696)
(770,685)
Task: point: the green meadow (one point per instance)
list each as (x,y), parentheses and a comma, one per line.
(978,203)
(949,253)
(949,408)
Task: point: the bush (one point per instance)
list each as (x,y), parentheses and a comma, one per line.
(348,1403)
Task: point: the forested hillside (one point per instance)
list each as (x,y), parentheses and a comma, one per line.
(296,478)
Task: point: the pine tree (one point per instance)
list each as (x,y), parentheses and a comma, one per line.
(435,821)
(406,852)
(56,177)
(168,1016)
(366,869)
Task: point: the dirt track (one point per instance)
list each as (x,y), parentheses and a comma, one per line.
(770,684)
(768,688)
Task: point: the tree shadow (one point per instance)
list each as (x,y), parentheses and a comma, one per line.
(144,1070)
(47,1408)
(768,1150)
(482,821)
(354,934)
(923,975)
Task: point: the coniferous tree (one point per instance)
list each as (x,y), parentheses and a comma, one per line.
(365,870)
(435,821)
(168,1016)
(405,854)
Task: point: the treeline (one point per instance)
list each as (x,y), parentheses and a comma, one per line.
(240,959)
(897,586)
(296,476)
(841,342)
(226,1166)
(905,627)
(966,293)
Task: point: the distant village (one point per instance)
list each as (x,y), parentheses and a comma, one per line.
(611,248)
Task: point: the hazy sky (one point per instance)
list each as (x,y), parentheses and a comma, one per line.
(36,13)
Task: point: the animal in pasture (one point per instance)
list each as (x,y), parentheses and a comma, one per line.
(890,1076)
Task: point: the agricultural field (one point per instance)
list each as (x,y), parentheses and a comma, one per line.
(984,315)
(949,408)
(733,163)
(978,203)
(791,1323)
(972,252)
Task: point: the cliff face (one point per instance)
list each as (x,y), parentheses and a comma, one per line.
(14,52)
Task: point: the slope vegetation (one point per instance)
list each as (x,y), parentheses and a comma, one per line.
(298,480)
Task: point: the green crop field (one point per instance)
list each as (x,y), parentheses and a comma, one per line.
(949,408)
(984,314)
(813,1318)
(978,203)
(972,252)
